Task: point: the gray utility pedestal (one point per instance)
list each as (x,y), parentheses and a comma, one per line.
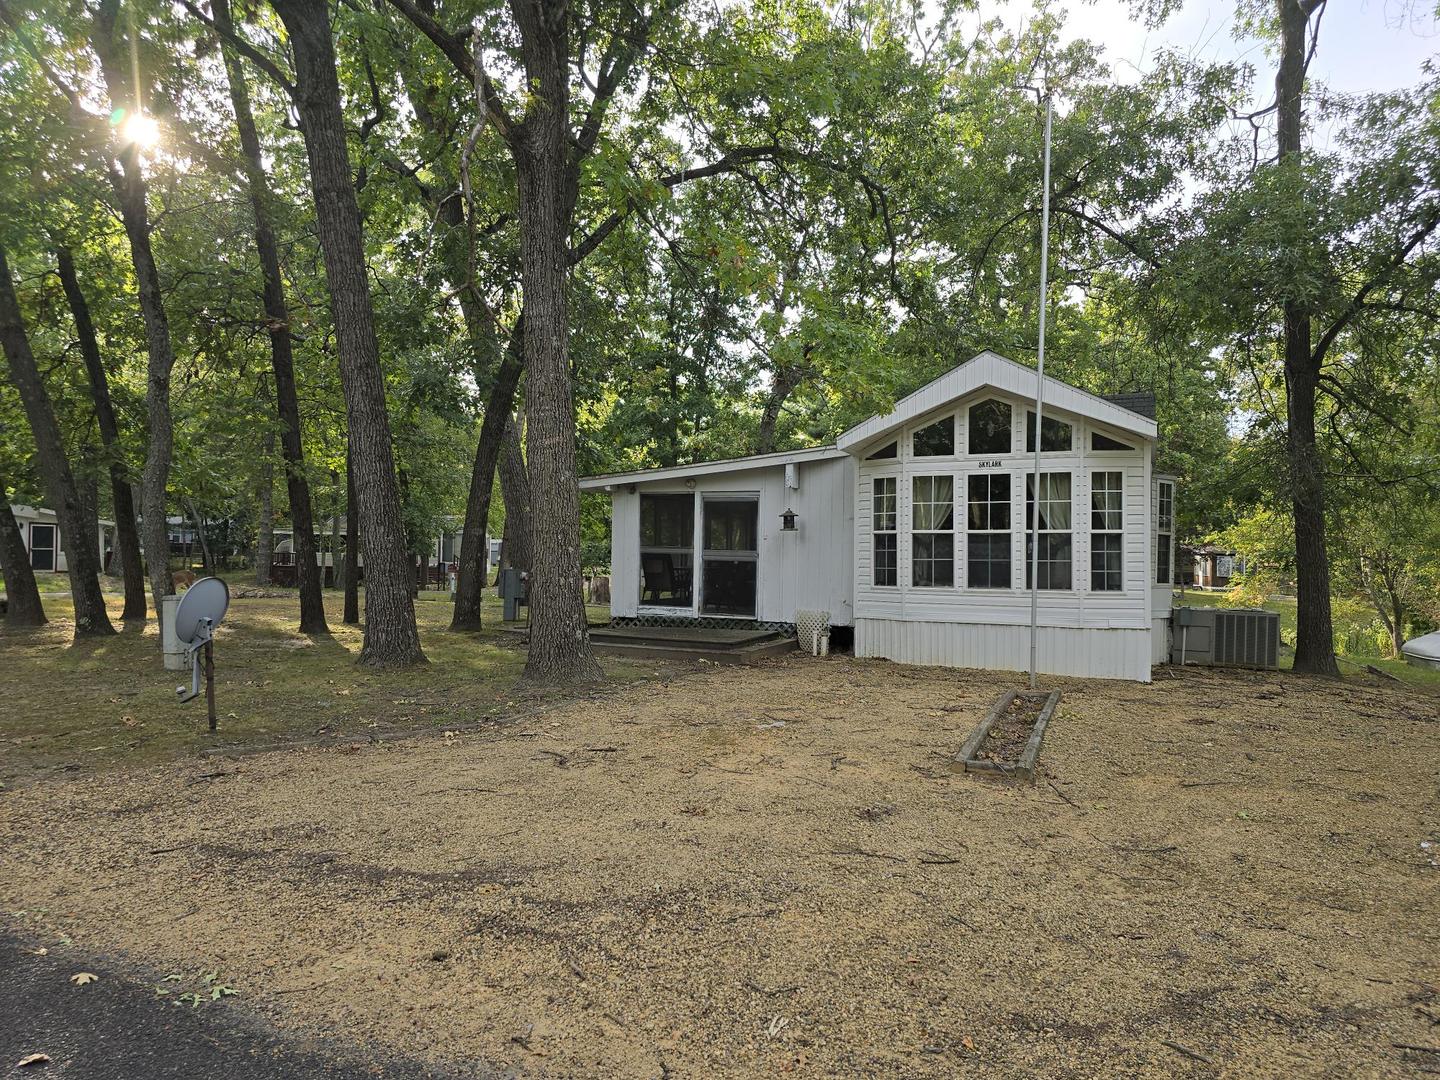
(514,591)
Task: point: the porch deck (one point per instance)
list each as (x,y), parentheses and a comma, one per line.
(719,646)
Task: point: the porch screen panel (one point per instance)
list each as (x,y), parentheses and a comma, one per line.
(884,532)
(1107,538)
(1056,543)
(729,576)
(667,550)
(987,544)
(932,531)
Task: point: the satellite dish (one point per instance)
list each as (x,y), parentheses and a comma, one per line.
(200,611)
(201,608)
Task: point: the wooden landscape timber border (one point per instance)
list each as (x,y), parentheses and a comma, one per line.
(966,761)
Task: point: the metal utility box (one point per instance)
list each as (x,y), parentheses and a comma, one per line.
(1235,637)
(514,590)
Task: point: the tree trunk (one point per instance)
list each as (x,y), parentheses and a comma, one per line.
(516,548)
(265,533)
(1314,638)
(335,568)
(131,192)
(127,535)
(546,177)
(471,576)
(277,322)
(64,496)
(352,549)
(22,595)
(207,564)
(783,384)
(89,484)
(391,637)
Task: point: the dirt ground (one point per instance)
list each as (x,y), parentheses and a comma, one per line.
(770,870)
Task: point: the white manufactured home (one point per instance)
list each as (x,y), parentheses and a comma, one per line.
(912,528)
(40,529)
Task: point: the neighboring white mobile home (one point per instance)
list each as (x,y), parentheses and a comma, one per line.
(912,529)
(40,529)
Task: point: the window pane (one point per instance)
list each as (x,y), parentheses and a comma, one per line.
(1055,566)
(889,450)
(989,501)
(1104,442)
(886,559)
(1054,501)
(1107,501)
(1162,559)
(1056,434)
(988,561)
(1166,515)
(937,440)
(933,559)
(730,526)
(933,504)
(884,504)
(667,521)
(990,428)
(1106,573)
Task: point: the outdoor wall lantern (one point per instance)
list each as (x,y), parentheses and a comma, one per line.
(787,520)
(690,483)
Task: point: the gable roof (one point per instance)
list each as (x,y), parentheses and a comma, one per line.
(705,468)
(993,370)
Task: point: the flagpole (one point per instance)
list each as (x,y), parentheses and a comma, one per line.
(1039,402)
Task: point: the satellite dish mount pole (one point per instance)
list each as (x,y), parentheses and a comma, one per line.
(210,681)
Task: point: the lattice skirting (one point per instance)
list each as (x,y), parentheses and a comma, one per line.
(706,621)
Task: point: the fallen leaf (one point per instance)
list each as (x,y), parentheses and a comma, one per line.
(968,1043)
(84,978)
(33,1059)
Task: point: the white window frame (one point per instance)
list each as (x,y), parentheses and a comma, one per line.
(915,503)
(991,504)
(1038,519)
(1107,521)
(878,516)
(1165,527)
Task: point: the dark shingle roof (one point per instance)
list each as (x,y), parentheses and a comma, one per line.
(1142,403)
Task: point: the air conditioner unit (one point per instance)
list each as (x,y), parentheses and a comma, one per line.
(1238,637)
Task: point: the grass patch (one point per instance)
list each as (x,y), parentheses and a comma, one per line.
(109,702)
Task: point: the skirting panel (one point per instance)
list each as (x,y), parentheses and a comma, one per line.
(705,621)
(1087,653)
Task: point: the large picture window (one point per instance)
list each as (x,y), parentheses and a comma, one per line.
(1164,532)
(1107,531)
(886,538)
(1056,567)
(987,528)
(990,427)
(932,531)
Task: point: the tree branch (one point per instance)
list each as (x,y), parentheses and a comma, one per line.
(457,51)
(1357,304)
(254,55)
